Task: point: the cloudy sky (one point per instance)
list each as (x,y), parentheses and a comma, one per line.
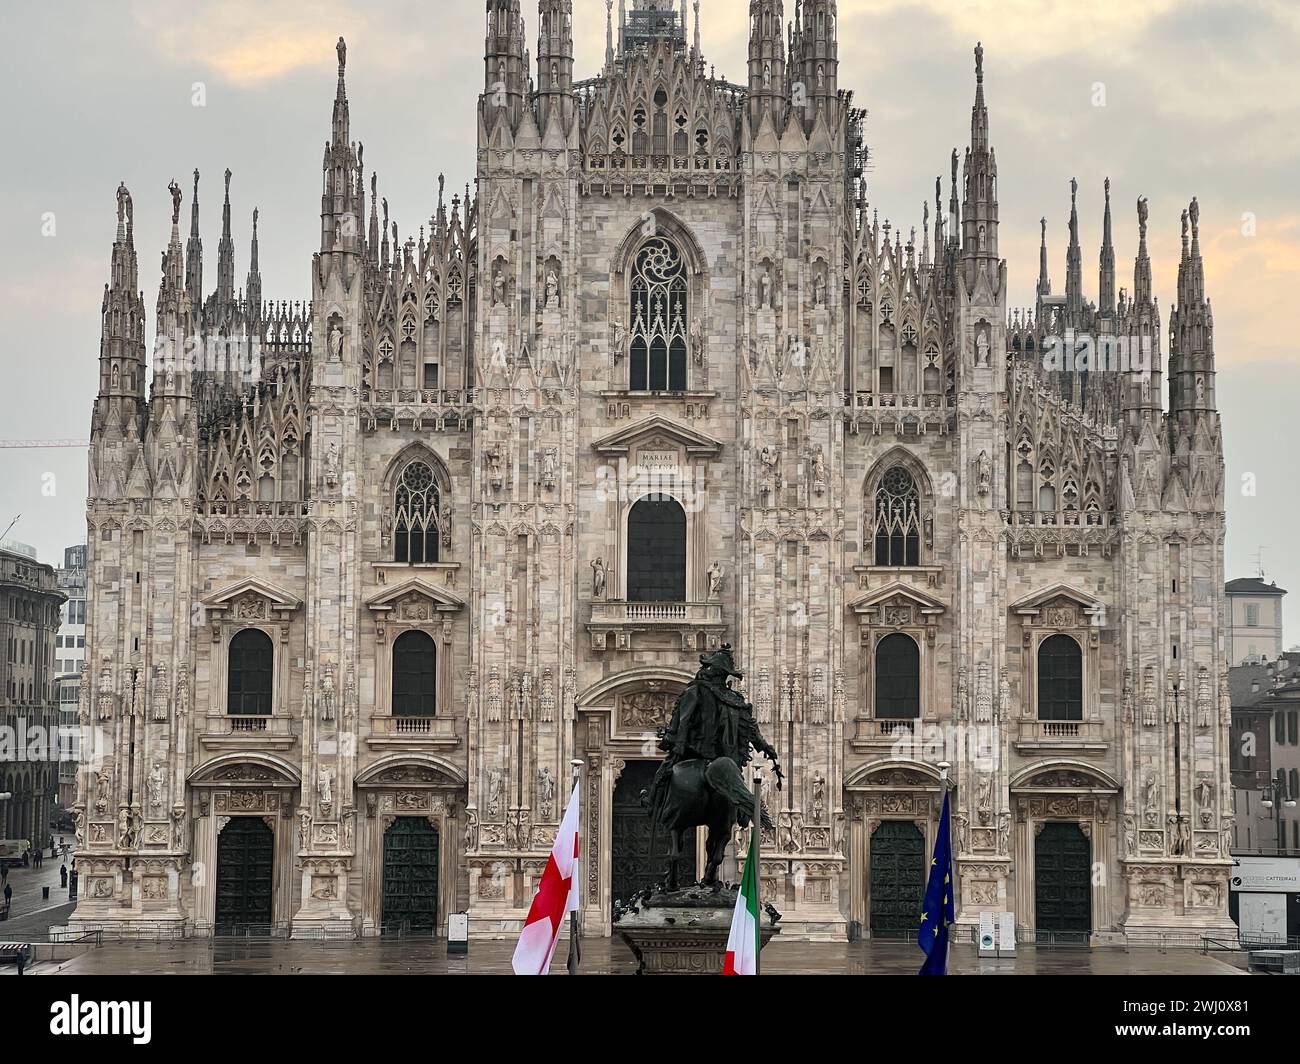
(1169,99)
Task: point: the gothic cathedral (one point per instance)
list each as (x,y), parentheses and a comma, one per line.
(368,572)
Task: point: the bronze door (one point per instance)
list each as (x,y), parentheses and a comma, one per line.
(897,878)
(634,865)
(410,876)
(245,881)
(1063,883)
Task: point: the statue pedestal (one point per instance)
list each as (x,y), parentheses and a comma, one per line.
(684,932)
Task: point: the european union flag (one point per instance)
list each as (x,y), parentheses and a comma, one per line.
(937,909)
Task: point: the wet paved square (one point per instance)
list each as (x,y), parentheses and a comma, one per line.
(599,957)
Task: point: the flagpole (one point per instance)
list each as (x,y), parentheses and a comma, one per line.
(945,786)
(756,840)
(575,947)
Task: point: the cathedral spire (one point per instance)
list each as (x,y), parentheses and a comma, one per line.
(554,58)
(1142,332)
(121,343)
(609,33)
(1106,286)
(253,286)
(505,62)
(1044,287)
(766,62)
(817,64)
(1191,332)
(696,45)
(225,295)
(173,323)
(194,252)
(340,211)
(1074,263)
(1142,262)
(979,233)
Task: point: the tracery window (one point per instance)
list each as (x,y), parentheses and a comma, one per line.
(658,319)
(898,519)
(417,516)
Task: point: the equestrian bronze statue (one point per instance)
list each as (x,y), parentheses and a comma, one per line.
(707,741)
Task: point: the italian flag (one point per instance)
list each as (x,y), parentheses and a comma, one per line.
(743,943)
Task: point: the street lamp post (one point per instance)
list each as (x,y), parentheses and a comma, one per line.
(1281,800)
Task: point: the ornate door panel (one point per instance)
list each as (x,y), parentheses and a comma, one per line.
(1063,882)
(245,881)
(634,866)
(410,876)
(897,882)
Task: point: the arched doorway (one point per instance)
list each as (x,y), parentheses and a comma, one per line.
(1063,883)
(410,901)
(634,862)
(897,883)
(245,876)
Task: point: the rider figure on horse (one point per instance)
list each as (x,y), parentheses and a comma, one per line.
(713,725)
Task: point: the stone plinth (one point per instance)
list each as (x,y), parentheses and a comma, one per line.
(684,932)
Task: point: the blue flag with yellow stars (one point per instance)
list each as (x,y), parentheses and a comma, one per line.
(937,909)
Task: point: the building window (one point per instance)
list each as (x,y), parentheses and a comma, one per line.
(1060,679)
(1293,728)
(1252,615)
(415,525)
(656,551)
(898,519)
(250,673)
(1279,728)
(658,330)
(898,678)
(415,675)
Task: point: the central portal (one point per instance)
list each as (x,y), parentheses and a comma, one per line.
(410,876)
(897,878)
(1063,883)
(638,861)
(245,883)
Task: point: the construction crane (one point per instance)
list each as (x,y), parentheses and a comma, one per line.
(34,444)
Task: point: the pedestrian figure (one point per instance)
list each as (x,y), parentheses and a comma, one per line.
(63,875)
(9,893)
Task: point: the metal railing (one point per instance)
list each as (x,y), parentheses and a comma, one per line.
(95,936)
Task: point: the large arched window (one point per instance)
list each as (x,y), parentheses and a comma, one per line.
(250,674)
(415,675)
(898,678)
(898,519)
(658,319)
(416,522)
(656,551)
(1060,679)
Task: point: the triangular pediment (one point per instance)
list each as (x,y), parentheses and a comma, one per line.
(1057,594)
(251,590)
(413,592)
(696,444)
(898,593)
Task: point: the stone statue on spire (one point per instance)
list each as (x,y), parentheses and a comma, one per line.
(175,190)
(342,50)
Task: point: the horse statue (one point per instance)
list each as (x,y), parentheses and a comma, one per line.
(699,783)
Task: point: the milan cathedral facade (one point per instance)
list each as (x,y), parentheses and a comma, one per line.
(368,571)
